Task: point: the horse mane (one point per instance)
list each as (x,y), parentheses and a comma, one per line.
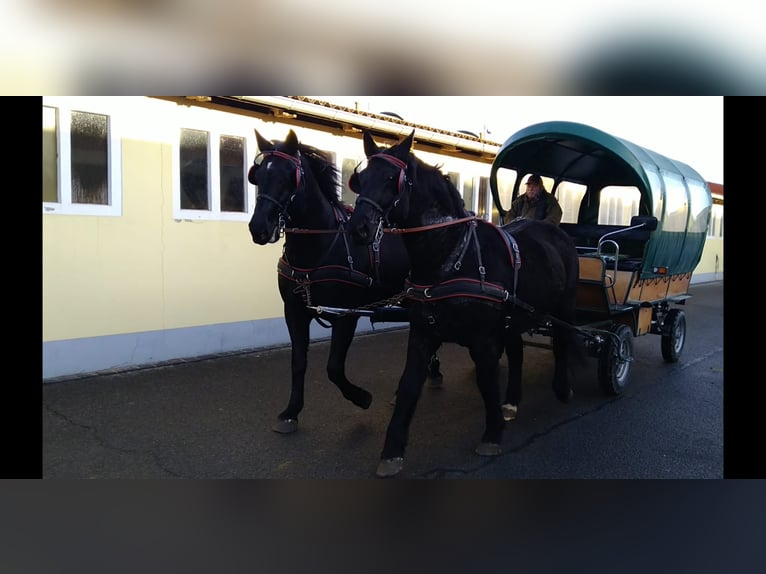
(434,178)
(325,172)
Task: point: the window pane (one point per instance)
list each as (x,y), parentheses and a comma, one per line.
(232,155)
(569,195)
(347,170)
(89,158)
(505,178)
(333,159)
(194,169)
(468,193)
(481,209)
(618,204)
(50,156)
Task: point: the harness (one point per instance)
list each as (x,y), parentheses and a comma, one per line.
(459,286)
(306,277)
(468,287)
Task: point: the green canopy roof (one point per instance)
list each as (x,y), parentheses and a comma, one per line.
(670,190)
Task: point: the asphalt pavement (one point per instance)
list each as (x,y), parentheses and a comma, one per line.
(211,418)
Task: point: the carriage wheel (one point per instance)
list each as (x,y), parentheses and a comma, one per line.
(673,335)
(615,360)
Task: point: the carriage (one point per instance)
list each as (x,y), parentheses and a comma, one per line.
(593,278)
(639,222)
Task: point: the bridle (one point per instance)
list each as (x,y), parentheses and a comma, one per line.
(401,182)
(284,217)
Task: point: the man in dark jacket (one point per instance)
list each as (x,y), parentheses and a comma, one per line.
(536,203)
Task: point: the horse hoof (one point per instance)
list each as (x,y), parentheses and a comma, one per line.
(363,400)
(509,412)
(488,449)
(389,467)
(285,426)
(435,382)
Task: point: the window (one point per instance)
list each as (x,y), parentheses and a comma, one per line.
(504,179)
(569,195)
(485,199)
(347,170)
(82,173)
(211,169)
(232,176)
(454,177)
(468,187)
(618,204)
(194,176)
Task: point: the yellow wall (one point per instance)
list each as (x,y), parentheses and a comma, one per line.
(707,264)
(145,271)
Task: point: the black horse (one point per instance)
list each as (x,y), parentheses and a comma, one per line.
(471,283)
(320,265)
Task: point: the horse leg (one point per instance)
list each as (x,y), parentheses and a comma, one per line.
(298,327)
(434,378)
(514,351)
(420,347)
(486,359)
(561,387)
(343,329)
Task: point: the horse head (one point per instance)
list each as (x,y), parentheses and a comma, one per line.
(383,188)
(277,172)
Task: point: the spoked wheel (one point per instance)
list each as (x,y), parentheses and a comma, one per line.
(616,359)
(673,335)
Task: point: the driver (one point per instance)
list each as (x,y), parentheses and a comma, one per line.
(536,203)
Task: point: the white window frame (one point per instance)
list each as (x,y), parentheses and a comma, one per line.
(216,124)
(64,106)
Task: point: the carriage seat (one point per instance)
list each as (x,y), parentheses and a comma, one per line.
(632,242)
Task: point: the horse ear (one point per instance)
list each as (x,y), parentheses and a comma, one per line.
(291,139)
(406,143)
(370,147)
(263,143)
(290,145)
(402,149)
